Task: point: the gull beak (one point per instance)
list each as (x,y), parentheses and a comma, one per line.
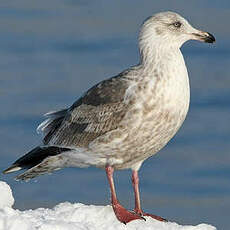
(204,36)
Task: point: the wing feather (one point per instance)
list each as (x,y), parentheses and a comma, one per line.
(98,111)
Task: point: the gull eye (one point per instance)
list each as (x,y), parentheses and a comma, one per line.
(177,24)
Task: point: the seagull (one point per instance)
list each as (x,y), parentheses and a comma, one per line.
(123,120)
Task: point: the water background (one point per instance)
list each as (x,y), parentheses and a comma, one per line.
(51,51)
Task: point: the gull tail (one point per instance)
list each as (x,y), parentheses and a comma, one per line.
(38,161)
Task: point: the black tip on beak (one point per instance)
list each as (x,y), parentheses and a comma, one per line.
(205,37)
(209,38)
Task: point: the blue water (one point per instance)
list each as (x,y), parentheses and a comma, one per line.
(52,51)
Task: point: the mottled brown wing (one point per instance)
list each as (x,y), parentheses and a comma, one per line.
(98,111)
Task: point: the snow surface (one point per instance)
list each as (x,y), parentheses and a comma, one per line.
(77,216)
(6,197)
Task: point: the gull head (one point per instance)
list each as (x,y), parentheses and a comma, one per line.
(169,29)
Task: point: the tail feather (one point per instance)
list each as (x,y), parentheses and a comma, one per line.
(35,157)
(53,120)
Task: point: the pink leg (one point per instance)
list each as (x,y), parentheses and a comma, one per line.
(121,213)
(138,210)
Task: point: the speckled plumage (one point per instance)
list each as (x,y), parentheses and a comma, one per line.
(126,119)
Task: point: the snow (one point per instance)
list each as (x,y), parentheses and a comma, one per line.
(6,197)
(77,216)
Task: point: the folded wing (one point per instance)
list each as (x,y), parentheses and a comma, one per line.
(98,111)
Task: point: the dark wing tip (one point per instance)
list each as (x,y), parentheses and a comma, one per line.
(12,168)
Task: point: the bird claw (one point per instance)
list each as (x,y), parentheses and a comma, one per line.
(141,213)
(155,217)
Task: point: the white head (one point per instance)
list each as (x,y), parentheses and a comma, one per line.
(169,30)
